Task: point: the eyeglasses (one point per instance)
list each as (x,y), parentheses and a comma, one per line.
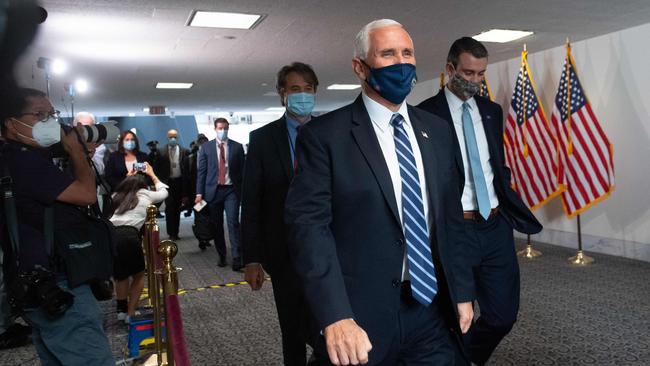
(42,116)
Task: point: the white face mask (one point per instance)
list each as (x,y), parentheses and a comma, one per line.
(45,133)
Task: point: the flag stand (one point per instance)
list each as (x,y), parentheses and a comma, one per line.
(580,259)
(529,252)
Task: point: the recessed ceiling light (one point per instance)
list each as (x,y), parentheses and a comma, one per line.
(174,85)
(275,109)
(343,86)
(501,35)
(59,67)
(215,19)
(81,85)
(131,114)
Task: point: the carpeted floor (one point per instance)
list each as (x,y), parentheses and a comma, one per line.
(597,315)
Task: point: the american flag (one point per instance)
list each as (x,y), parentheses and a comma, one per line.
(485,89)
(530,147)
(585,154)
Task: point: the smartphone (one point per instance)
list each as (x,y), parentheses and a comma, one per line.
(140,167)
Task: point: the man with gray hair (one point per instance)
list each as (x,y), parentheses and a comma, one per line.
(99,159)
(375,218)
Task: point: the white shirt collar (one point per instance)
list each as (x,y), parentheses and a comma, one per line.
(456,104)
(381,115)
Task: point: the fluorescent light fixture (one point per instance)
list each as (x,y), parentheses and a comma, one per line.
(81,85)
(275,109)
(174,85)
(501,35)
(343,87)
(215,19)
(59,67)
(131,114)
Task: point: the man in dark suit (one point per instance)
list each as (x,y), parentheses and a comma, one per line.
(269,170)
(218,182)
(374,214)
(491,208)
(170,169)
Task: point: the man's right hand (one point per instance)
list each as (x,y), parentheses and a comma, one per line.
(254,275)
(347,343)
(198,199)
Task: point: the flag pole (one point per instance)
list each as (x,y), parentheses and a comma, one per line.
(568,96)
(442,80)
(580,259)
(524,62)
(529,252)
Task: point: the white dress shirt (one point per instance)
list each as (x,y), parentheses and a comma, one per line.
(174,153)
(225,150)
(380,117)
(469,193)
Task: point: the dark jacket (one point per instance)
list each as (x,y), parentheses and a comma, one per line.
(115,171)
(510,204)
(346,239)
(208,168)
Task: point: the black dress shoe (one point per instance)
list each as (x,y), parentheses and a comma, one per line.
(236,264)
(222,261)
(174,237)
(202,245)
(15,336)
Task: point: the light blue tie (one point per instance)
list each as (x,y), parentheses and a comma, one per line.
(480,187)
(424,285)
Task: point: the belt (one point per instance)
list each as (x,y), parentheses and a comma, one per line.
(476,216)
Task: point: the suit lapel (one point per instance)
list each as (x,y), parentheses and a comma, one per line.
(429,158)
(445,113)
(488,127)
(281,140)
(366,139)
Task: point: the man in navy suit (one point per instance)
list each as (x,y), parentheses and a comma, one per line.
(218,182)
(374,214)
(491,208)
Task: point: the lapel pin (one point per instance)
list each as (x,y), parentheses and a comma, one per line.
(424,134)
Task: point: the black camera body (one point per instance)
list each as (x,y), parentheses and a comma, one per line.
(38,288)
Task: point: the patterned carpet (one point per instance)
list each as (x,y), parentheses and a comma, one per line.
(597,315)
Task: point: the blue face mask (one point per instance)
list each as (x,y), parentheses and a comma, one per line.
(129,145)
(392,82)
(300,104)
(173,141)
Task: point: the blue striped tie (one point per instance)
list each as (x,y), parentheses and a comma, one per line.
(480,186)
(424,285)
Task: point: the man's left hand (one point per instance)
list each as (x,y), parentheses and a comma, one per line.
(465,315)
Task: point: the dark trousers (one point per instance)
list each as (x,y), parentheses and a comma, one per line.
(497,285)
(421,338)
(293,314)
(173,205)
(226,199)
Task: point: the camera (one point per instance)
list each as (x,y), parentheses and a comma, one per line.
(140,167)
(106,131)
(38,288)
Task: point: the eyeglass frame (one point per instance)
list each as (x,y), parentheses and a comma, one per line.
(56,114)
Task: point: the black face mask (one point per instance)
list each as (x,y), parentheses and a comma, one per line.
(464,87)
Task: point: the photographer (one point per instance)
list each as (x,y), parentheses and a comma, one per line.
(130,201)
(122,161)
(66,320)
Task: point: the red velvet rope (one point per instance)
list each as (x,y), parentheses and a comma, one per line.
(175,322)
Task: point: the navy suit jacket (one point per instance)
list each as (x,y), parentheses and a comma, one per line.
(268,173)
(207,177)
(514,210)
(346,239)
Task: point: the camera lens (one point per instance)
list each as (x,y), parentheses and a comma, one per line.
(101,132)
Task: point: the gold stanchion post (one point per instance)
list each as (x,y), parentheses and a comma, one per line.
(168,277)
(580,259)
(529,252)
(151,227)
